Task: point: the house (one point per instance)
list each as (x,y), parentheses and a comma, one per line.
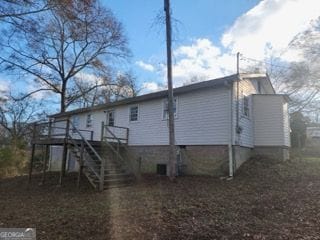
(219,124)
(313,133)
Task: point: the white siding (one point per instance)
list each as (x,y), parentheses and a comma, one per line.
(286,125)
(202,119)
(271,124)
(246,88)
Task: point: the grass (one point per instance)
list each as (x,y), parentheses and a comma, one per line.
(265,200)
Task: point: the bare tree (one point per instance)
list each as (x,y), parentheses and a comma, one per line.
(15,117)
(13,10)
(106,89)
(56,45)
(301,80)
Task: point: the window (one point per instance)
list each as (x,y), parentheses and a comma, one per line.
(89,120)
(165,114)
(134,113)
(110,118)
(246,106)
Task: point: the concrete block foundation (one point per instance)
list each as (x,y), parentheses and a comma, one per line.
(194,160)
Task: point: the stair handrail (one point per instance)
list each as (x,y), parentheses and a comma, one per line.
(86,142)
(101,177)
(114,136)
(119,142)
(91,168)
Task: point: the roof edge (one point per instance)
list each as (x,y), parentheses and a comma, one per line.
(218,82)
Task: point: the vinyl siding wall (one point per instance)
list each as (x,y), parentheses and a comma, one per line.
(246,88)
(271,122)
(203,118)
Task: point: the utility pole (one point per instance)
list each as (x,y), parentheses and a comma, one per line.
(172,148)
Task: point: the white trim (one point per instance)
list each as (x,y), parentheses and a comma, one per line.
(138,113)
(91,121)
(114,116)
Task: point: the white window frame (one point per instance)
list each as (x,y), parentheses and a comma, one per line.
(246,106)
(89,120)
(108,117)
(165,115)
(138,113)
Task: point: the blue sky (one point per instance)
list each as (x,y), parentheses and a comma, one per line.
(194,19)
(210,33)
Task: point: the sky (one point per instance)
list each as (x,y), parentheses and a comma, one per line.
(207,35)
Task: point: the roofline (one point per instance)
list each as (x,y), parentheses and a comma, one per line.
(259,76)
(218,82)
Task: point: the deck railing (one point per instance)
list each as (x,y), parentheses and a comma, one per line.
(57,129)
(114,134)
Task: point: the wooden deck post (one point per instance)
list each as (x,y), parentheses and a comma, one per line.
(101,182)
(32,152)
(65,152)
(31,162)
(80,164)
(102,131)
(46,154)
(127,135)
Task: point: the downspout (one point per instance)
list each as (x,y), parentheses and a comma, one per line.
(237,99)
(230,145)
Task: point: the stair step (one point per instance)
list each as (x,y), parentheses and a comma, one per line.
(114,173)
(111,181)
(113,176)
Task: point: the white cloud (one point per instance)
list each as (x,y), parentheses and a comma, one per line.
(4,86)
(271,24)
(263,31)
(83,77)
(202,60)
(145,66)
(148,87)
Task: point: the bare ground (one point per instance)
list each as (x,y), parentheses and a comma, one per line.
(266,200)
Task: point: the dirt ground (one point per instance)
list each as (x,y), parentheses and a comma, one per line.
(266,200)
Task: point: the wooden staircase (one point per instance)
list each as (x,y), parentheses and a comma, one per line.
(101,171)
(102,162)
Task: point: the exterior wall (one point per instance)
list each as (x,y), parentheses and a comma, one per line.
(274,152)
(286,124)
(195,159)
(271,123)
(202,119)
(247,87)
(55,159)
(241,154)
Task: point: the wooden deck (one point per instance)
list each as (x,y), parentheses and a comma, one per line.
(61,141)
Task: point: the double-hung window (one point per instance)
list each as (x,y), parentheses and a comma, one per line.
(134,113)
(110,118)
(89,121)
(246,109)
